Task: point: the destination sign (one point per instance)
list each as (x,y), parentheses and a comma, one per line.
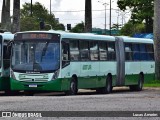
(36,36)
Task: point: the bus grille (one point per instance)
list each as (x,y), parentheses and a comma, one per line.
(33,77)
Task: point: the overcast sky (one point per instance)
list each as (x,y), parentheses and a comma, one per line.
(72,11)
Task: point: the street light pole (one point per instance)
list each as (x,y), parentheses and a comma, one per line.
(31,8)
(105,5)
(105,16)
(50,7)
(110,20)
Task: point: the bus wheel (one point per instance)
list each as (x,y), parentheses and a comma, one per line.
(28,93)
(140,83)
(73,87)
(108,88)
(139,86)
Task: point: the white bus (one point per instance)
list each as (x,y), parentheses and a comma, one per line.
(5,61)
(62,61)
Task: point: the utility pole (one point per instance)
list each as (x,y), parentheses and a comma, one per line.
(88,16)
(157,38)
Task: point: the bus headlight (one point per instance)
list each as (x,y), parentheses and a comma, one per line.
(55,75)
(12,75)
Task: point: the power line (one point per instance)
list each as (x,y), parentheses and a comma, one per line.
(81,10)
(76,10)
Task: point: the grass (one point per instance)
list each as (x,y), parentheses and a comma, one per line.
(152,83)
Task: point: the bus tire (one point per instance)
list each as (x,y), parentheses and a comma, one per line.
(140,84)
(73,87)
(108,88)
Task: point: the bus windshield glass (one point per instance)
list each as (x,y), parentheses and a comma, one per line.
(36,56)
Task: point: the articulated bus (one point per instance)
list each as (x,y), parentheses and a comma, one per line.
(63,61)
(5,61)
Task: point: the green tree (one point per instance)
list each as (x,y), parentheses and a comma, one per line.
(142,11)
(79,28)
(116,26)
(129,29)
(39,12)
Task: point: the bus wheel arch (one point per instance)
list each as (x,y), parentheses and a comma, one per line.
(140,82)
(73,88)
(108,88)
(141,75)
(139,86)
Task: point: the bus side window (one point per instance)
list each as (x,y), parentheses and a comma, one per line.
(111,51)
(74,50)
(128,52)
(150,52)
(143,52)
(84,50)
(65,53)
(136,52)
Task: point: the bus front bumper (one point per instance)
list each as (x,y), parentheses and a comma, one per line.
(54,85)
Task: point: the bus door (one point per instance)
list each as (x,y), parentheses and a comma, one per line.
(1,54)
(120,57)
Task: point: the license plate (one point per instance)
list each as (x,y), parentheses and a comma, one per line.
(33,86)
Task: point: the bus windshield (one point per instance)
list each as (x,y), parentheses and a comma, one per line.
(35,56)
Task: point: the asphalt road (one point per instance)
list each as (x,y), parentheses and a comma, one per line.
(120,100)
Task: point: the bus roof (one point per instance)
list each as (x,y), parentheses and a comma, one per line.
(92,36)
(7,35)
(88,36)
(135,40)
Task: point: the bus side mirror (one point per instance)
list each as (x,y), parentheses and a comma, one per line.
(9,46)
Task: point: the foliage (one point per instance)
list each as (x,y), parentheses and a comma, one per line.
(39,12)
(79,28)
(152,83)
(129,29)
(142,11)
(116,26)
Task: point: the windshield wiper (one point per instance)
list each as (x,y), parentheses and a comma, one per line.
(25,51)
(44,50)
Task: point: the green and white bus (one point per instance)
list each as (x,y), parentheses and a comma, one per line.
(62,61)
(5,61)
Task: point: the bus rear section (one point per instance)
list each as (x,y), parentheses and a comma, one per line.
(139,62)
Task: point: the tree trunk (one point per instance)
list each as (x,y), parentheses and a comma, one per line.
(157,38)
(8,18)
(5,18)
(88,16)
(16,16)
(3,15)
